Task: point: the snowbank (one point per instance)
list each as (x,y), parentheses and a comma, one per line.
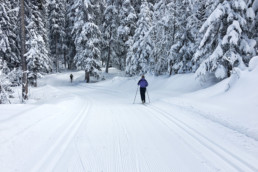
(235,107)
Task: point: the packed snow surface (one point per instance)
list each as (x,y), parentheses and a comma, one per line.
(95,127)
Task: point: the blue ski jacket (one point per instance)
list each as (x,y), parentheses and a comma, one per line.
(143,83)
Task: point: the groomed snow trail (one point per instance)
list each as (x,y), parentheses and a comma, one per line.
(98,129)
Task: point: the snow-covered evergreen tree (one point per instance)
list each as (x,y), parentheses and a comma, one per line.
(97,9)
(57,30)
(110,25)
(5,89)
(139,61)
(225,44)
(127,18)
(37,61)
(69,25)
(87,40)
(252,15)
(9,50)
(161,35)
(136,5)
(200,11)
(37,55)
(181,51)
(88,50)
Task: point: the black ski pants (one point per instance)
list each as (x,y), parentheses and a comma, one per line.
(142,91)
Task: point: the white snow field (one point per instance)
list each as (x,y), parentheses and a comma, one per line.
(96,127)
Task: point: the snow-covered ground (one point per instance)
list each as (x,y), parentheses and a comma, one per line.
(96,127)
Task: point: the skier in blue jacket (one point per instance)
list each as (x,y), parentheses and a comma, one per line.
(143,84)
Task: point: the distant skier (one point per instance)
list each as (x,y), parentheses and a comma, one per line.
(71,78)
(143,84)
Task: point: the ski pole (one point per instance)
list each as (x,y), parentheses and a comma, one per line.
(148,95)
(135,94)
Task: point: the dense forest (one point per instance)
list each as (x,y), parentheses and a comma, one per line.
(205,37)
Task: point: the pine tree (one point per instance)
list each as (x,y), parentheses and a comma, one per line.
(163,35)
(57,30)
(252,15)
(37,61)
(139,61)
(182,50)
(88,50)
(225,41)
(110,26)
(200,10)
(9,50)
(87,41)
(127,18)
(5,89)
(137,5)
(37,55)
(69,26)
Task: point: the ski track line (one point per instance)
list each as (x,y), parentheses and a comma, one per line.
(209,141)
(223,153)
(54,153)
(23,130)
(146,161)
(83,161)
(142,162)
(23,112)
(78,153)
(210,118)
(124,132)
(76,142)
(120,152)
(93,164)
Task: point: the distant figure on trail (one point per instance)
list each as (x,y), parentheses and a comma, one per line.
(143,84)
(71,77)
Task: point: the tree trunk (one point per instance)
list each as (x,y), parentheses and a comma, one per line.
(108,59)
(170,68)
(36,80)
(109,51)
(230,68)
(125,62)
(0,94)
(65,60)
(87,76)
(56,55)
(23,59)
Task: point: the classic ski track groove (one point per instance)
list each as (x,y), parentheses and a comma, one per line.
(19,114)
(55,152)
(129,137)
(23,130)
(79,155)
(138,154)
(203,114)
(217,149)
(76,143)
